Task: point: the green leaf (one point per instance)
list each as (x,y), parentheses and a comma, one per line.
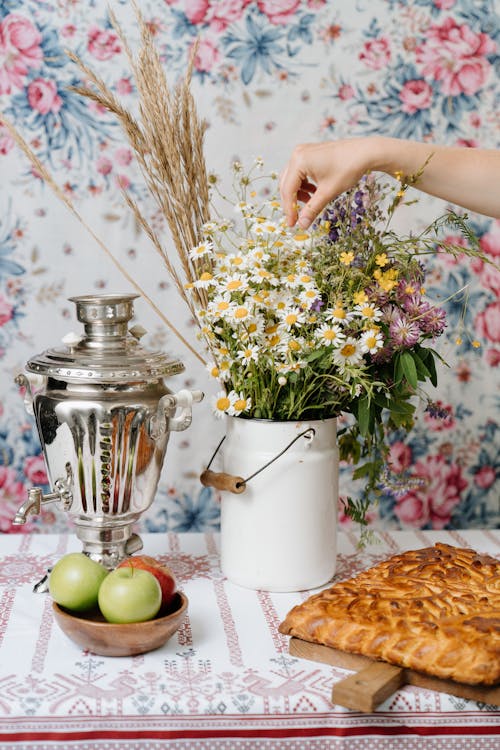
(431,366)
(409,369)
(364,416)
(422,371)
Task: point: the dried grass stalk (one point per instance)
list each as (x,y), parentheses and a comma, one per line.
(49,180)
(167,139)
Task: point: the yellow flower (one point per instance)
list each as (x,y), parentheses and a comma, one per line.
(346,258)
(381,260)
(360,298)
(476,344)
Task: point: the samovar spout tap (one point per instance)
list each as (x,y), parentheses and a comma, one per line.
(33,504)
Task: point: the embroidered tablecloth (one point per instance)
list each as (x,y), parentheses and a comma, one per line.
(225,681)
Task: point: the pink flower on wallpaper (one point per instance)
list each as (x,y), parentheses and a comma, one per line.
(43,96)
(400,457)
(103,44)
(124,86)
(122,181)
(434,500)
(20,50)
(104,165)
(487,323)
(12,494)
(207,56)
(485,477)
(196,10)
(490,278)
(10,487)
(346,92)
(490,242)
(123,156)
(444,421)
(35,470)
(376,53)
(6,311)
(68,30)
(456,56)
(278,11)
(415,95)
(6,141)
(224,12)
(493,357)
(444,4)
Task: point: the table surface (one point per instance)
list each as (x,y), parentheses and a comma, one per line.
(225,681)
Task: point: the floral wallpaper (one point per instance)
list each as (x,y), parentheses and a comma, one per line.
(267,74)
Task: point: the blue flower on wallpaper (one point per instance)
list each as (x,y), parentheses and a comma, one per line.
(184,512)
(259,45)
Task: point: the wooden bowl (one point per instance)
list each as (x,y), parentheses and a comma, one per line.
(91,631)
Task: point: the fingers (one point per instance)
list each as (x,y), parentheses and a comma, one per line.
(289,189)
(314,206)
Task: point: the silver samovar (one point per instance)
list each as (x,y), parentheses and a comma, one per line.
(104,416)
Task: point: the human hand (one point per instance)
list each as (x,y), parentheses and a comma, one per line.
(318,172)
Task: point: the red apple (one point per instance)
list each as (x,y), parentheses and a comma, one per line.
(164,575)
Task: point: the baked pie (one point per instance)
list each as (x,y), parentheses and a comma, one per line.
(435,610)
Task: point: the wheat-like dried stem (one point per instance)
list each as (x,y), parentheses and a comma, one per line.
(49,180)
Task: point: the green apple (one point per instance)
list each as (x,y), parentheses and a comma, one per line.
(129,595)
(74,581)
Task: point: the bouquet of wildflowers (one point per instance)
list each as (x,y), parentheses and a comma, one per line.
(310,325)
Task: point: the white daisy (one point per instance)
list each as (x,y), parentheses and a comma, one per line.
(221,305)
(243,207)
(249,354)
(339,314)
(201,250)
(330,334)
(371,341)
(206,280)
(292,316)
(221,403)
(233,283)
(240,313)
(368,311)
(239,403)
(348,354)
(308,297)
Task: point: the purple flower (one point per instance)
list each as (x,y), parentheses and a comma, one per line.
(414,306)
(404,333)
(434,321)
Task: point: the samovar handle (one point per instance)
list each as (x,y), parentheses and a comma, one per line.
(165,418)
(22,381)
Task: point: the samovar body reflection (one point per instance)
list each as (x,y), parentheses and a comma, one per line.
(104,417)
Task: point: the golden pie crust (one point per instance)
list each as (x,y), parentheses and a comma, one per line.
(435,610)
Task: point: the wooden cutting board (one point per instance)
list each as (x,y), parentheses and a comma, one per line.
(374,681)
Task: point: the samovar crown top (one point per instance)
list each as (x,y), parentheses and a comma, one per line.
(108,352)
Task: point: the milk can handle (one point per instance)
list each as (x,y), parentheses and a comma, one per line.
(223,481)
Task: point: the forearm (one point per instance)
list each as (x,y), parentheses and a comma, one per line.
(467,177)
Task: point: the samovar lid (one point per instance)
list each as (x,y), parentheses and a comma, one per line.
(108,351)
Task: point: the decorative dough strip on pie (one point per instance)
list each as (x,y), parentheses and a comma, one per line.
(435,610)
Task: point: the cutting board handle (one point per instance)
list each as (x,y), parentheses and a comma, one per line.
(368,688)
